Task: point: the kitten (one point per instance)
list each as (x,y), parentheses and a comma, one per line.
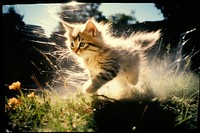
(106,57)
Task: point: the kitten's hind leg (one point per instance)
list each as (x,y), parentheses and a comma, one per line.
(132,75)
(133,78)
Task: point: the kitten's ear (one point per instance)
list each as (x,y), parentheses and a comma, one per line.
(91,28)
(67,26)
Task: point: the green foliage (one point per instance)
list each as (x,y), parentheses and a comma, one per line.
(184,101)
(28,114)
(50,113)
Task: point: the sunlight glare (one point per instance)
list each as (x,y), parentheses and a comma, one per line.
(73,3)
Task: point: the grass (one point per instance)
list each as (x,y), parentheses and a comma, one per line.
(48,112)
(175,110)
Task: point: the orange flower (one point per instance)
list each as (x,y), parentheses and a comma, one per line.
(15,86)
(32,94)
(13,102)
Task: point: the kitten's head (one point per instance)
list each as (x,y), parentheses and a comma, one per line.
(84,39)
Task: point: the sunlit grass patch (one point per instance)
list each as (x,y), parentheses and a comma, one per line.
(180,95)
(176,87)
(183,100)
(165,83)
(73,114)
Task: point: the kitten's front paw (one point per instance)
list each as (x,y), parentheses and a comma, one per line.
(88,88)
(91,90)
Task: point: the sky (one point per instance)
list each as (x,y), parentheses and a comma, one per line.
(143,11)
(45,15)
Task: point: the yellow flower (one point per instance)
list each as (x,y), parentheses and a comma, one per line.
(15,86)
(32,94)
(13,102)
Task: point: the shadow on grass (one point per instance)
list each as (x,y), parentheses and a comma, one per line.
(129,116)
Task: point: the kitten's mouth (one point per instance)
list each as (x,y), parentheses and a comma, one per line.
(77,52)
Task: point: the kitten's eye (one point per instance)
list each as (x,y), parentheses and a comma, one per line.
(82,44)
(72,44)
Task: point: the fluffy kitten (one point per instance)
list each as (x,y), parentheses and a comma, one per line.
(106,57)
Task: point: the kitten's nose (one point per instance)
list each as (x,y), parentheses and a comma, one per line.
(76,50)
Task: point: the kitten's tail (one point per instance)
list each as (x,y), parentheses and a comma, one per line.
(145,40)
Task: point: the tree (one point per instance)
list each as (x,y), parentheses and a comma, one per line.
(122,19)
(81,12)
(184,15)
(11,44)
(23,51)
(120,22)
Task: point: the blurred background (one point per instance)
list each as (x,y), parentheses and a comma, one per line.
(33,35)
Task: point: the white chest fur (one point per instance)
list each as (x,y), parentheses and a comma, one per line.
(92,64)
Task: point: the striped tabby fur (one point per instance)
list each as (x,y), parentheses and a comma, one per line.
(106,57)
